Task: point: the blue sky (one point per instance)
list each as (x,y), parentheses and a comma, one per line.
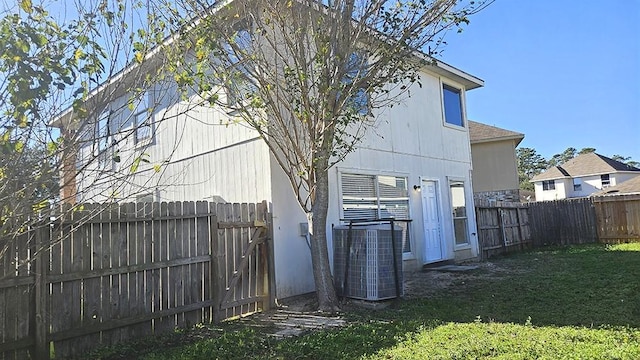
(563,72)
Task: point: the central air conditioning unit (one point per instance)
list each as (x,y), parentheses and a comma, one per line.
(366,264)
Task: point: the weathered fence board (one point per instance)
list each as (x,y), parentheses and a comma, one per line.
(604,219)
(502,228)
(16,294)
(108,273)
(618,218)
(563,222)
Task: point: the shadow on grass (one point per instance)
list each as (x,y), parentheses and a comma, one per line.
(591,286)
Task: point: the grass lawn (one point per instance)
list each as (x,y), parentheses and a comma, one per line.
(580,302)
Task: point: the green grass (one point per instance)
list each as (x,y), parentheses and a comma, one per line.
(580,302)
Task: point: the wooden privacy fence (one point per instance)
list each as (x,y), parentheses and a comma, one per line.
(618,218)
(502,228)
(563,222)
(104,274)
(605,219)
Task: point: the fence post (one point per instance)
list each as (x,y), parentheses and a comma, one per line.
(519,220)
(271,266)
(501,224)
(597,219)
(217,275)
(266,256)
(41,292)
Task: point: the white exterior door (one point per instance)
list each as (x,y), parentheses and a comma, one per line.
(431,222)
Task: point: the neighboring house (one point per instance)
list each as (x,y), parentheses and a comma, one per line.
(495,166)
(629,187)
(420,169)
(582,176)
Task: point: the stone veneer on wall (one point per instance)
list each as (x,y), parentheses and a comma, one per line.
(501,195)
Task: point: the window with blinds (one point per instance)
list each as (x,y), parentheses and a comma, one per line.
(371,197)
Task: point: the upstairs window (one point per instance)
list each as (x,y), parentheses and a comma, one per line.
(452,100)
(548,185)
(142,120)
(240,85)
(577,184)
(102,139)
(606,181)
(358,102)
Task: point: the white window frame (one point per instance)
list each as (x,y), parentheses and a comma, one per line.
(605,182)
(466,217)
(358,68)
(463,114)
(143,119)
(550,185)
(145,197)
(376,175)
(234,96)
(577,184)
(102,150)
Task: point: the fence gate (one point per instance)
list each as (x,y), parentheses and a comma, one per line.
(502,229)
(240,256)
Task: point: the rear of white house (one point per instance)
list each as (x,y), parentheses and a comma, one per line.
(415,165)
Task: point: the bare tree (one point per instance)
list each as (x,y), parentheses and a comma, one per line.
(60,124)
(309,77)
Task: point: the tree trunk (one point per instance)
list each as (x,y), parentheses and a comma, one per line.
(325,290)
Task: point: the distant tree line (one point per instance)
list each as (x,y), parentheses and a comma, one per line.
(530,163)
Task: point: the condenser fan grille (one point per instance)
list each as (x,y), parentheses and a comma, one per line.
(364,264)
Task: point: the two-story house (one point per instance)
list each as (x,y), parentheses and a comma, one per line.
(416,164)
(581,176)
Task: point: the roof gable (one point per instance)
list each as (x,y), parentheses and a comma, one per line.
(594,164)
(555,172)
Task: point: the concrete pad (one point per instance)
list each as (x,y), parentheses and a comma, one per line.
(452,268)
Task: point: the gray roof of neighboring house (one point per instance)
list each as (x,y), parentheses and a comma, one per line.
(631,186)
(479,132)
(585,165)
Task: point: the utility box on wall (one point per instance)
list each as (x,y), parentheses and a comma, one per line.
(367,261)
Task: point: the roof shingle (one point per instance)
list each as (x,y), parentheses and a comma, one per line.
(631,186)
(479,132)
